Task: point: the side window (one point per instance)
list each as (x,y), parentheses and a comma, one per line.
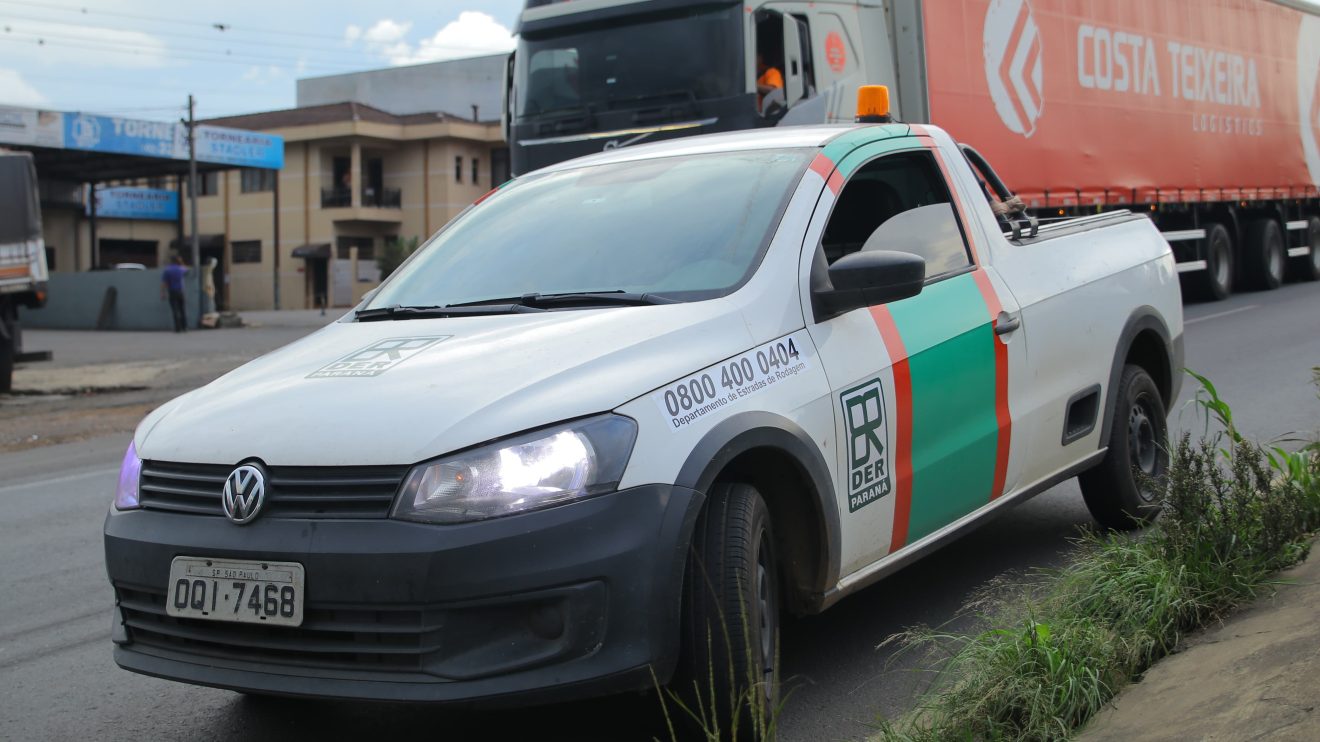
(904,185)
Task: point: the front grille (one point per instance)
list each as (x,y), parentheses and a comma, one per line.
(343,637)
(291,491)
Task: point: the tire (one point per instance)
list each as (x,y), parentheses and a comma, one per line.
(1215,283)
(7,341)
(1307,267)
(1265,257)
(731,614)
(1123,490)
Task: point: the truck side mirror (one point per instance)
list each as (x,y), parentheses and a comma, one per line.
(866,279)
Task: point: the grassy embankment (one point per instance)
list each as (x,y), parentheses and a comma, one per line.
(1062,645)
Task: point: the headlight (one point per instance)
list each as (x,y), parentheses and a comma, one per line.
(126,494)
(536,470)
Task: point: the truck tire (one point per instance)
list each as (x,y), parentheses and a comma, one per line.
(1124,490)
(1264,258)
(731,614)
(1307,267)
(1215,283)
(7,351)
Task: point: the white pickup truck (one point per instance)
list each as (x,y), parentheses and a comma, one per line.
(623,412)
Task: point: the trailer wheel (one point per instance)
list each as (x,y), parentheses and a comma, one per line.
(731,615)
(1123,490)
(1215,283)
(7,350)
(1265,255)
(1307,267)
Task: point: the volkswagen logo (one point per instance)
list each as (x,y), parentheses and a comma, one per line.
(244,493)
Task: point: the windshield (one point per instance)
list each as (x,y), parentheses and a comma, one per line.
(697,55)
(690,227)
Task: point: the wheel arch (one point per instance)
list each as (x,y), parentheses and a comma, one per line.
(1146,342)
(775,455)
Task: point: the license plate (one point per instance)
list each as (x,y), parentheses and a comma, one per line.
(268,593)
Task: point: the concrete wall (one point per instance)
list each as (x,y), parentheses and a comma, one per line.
(453,87)
(75,299)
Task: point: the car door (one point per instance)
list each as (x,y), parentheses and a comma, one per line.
(920,385)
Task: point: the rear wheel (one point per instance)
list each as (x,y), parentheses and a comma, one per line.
(1265,255)
(1124,490)
(1307,267)
(1215,283)
(8,349)
(731,615)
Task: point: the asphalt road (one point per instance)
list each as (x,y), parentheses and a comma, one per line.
(57,680)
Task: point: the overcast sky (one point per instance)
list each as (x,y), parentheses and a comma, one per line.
(142,58)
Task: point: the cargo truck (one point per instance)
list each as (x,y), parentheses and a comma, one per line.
(1206,116)
(23,272)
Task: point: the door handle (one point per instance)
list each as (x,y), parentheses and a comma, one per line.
(1006,323)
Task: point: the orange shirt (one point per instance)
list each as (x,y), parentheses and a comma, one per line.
(771,77)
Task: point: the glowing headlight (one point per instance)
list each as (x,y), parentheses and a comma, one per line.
(126,493)
(532,471)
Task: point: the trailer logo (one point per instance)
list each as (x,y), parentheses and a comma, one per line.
(868,434)
(377,358)
(1308,92)
(1012,49)
(835,52)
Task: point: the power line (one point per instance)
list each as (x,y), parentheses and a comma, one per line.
(222,27)
(216,26)
(194,55)
(222,40)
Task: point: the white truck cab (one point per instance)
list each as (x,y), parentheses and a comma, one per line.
(623,403)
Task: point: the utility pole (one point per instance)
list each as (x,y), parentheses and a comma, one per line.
(192,205)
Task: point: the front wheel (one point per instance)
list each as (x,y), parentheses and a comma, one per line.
(1124,490)
(731,616)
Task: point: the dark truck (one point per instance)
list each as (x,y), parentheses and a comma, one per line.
(23,272)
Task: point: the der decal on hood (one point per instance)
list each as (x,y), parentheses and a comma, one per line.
(377,358)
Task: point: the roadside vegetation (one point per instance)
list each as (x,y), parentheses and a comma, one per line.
(1062,645)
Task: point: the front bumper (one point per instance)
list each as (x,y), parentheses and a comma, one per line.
(573,601)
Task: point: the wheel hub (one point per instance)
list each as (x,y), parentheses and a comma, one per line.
(1142,445)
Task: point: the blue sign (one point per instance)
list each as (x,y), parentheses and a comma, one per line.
(123,136)
(136,203)
(240,147)
(215,144)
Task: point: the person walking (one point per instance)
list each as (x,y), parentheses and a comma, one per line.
(171,282)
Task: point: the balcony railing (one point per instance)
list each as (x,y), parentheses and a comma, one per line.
(375,198)
(382,198)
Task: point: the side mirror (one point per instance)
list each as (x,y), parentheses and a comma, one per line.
(869,278)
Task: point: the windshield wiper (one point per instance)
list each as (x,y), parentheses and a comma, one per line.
(515,305)
(616,298)
(454,310)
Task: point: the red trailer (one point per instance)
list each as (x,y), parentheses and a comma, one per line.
(1205,114)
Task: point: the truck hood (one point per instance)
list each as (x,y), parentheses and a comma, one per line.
(398,392)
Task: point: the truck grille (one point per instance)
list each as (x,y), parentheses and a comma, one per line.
(343,637)
(305,492)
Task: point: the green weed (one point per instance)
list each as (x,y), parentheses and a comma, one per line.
(1067,640)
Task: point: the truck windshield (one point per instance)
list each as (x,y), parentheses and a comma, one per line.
(688,228)
(697,55)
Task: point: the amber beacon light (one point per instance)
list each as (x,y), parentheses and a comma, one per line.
(873,105)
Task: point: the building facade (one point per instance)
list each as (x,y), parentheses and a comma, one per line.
(354,178)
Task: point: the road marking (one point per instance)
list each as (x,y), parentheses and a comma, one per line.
(1221,314)
(59,480)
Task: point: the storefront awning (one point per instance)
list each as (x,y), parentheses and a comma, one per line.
(319,250)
